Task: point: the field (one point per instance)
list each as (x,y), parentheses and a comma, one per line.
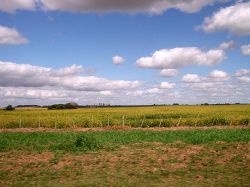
(194,146)
(159,116)
(126,158)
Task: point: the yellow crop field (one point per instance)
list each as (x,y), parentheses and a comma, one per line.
(151,116)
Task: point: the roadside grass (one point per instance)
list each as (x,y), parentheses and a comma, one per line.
(84,141)
(126,158)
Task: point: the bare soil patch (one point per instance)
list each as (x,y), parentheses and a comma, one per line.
(120,128)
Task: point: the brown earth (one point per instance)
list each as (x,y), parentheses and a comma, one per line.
(120,128)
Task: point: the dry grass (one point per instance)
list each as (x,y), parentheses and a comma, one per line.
(136,164)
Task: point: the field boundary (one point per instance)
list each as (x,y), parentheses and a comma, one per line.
(126,128)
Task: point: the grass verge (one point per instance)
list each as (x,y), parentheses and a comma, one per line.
(126,158)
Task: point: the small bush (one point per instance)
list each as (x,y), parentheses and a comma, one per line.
(81,144)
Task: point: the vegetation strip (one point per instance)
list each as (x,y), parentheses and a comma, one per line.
(84,141)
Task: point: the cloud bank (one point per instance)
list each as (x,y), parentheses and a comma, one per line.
(107,6)
(26,75)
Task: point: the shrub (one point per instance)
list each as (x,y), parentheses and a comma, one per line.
(9,108)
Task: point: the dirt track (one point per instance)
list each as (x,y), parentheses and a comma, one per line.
(118,128)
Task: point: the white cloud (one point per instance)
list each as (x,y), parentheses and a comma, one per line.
(26,75)
(244,79)
(128,6)
(152,91)
(245,49)
(169,72)
(167,85)
(242,72)
(117,60)
(227,45)
(181,57)
(13,5)
(191,78)
(10,36)
(234,19)
(219,75)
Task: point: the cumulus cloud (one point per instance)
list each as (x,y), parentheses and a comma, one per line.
(242,72)
(26,75)
(167,85)
(191,78)
(219,75)
(245,49)
(169,72)
(10,36)
(244,79)
(13,5)
(128,6)
(234,19)
(117,60)
(227,45)
(181,57)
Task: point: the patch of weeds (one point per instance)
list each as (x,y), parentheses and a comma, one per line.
(81,143)
(86,143)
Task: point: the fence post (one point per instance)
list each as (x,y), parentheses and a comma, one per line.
(55,123)
(142,121)
(160,122)
(39,122)
(179,122)
(108,122)
(123,121)
(20,123)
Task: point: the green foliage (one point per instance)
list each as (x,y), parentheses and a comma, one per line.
(9,108)
(88,141)
(63,106)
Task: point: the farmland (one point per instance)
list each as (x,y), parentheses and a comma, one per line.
(153,116)
(126,146)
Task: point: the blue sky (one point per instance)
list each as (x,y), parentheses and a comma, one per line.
(62,35)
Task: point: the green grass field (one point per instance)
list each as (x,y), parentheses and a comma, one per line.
(126,158)
(159,116)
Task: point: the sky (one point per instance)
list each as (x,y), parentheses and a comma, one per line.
(124,52)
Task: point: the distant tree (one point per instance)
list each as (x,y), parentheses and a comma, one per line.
(63,106)
(71,105)
(175,103)
(9,108)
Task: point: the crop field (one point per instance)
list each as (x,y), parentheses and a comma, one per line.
(158,116)
(126,158)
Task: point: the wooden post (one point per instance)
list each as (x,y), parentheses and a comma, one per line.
(123,121)
(92,121)
(142,121)
(55,123)
(20,123)
(179,122)
(231,123)
(160,122)
(108,122)
(39,122)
